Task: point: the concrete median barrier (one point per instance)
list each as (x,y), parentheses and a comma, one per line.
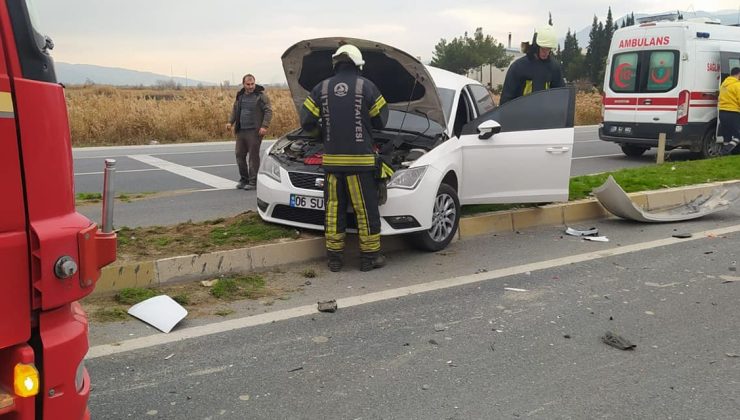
(193,267)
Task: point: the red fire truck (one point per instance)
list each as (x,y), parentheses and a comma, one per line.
(51,254)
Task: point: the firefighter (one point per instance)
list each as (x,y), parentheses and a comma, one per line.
(537,70)
(345,108)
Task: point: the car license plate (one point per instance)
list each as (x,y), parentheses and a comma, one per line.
(306,202)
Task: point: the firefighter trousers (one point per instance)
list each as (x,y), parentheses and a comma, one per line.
(361,190)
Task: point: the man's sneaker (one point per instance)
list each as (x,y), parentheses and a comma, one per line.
(241,185)
(250,187)
(372,261)
(335,262)
(728,147)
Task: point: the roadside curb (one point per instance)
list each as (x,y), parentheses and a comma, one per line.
(193,267)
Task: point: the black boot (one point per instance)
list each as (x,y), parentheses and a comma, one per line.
(728,147)
(335,261)
(371,260)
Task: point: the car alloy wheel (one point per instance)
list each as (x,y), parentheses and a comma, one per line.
(445,220)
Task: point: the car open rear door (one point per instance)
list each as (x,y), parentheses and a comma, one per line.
(529,160)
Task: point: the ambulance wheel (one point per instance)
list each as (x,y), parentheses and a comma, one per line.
(709,146)
(445,220)
(633,151)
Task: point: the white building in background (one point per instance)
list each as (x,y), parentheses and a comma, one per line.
(491,76)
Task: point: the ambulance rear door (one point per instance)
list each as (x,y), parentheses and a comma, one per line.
(620,80)
(658,88)
(729,57)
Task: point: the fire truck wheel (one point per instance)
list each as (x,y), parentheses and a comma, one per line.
(633,151)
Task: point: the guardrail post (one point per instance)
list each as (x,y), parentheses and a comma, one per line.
(108,195)
(661,149)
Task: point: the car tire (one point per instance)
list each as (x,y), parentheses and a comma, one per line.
(709,146)
(633,151)
(445,220)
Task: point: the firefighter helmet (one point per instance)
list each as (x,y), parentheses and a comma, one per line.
(545,37)
(351,52)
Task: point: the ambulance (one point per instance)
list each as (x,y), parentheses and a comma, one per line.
(664,77)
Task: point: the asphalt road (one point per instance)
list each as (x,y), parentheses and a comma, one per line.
(496,327)
(196,181)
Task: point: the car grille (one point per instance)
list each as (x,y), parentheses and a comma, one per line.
(305,180)
(309,216)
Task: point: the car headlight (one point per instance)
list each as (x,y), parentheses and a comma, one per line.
(270,167)
(407,178)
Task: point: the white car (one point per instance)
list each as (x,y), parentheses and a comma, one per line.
(449,145)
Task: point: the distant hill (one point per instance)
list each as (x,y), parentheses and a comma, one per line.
(727,17)
(78,74)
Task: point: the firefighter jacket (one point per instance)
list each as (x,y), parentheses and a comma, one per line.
(345,108)
(729,95)
(529,74)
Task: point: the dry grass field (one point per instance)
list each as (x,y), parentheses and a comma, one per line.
(104,115)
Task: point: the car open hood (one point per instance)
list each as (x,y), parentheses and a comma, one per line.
(401,78)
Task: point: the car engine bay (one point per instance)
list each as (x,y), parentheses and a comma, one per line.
(400,149)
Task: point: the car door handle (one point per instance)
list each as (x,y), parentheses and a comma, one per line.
(558,149)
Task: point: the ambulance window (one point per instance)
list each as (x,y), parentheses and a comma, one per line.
(624,72)
(661,71)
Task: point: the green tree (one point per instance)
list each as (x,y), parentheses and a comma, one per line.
(592,50)
(454,55)
(464,53)
(628,20)
(489,51)
(571,58)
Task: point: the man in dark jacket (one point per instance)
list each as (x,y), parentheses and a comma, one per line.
(345,108)
(250,118)
(535,71)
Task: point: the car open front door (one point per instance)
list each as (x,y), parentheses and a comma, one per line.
(528,161)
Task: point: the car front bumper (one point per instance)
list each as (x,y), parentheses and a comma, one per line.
(405,211)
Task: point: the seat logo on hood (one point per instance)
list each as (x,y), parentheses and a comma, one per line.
(341,89)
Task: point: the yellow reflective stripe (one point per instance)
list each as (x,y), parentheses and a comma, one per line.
(527,87)
(6,102)
(547,85)
(358,203)
(385,170)
(349,160)
(379,104)
(370,243)
(311,107)
(331,206)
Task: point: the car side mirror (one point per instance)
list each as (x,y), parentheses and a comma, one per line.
(488,128)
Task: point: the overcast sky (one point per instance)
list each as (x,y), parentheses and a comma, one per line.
(219,40)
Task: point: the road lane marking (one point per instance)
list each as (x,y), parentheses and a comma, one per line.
(596,157)
(187,172)
(152,149)
(157,154)
(223,165)
(251,321)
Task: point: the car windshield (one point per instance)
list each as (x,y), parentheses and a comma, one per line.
(412,122)
(446,96)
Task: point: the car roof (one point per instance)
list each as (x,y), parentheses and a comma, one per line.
(447,79)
